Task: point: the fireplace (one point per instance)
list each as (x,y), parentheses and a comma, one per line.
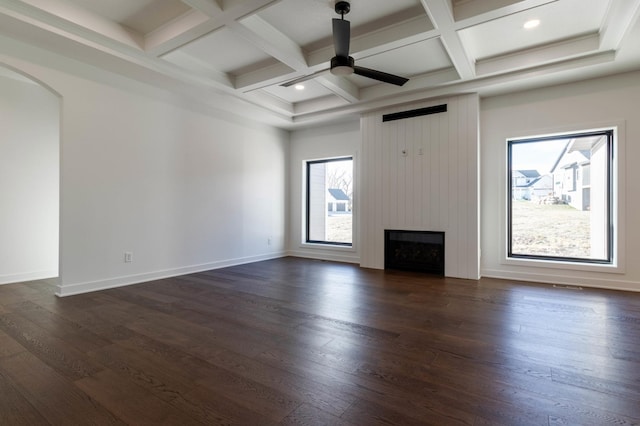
(414,251)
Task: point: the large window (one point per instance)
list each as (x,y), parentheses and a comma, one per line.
(330,201)
(561,197)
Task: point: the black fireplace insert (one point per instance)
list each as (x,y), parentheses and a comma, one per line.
(414,251)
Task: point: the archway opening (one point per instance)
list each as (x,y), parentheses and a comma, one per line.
(29,179)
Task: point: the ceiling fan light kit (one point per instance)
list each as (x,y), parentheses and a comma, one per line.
(341,65)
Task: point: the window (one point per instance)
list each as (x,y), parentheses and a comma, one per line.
(565,210)
(330,201)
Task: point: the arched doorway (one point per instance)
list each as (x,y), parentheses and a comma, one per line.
(29,179)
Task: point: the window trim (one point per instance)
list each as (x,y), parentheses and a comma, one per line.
(618,203)
(307,214)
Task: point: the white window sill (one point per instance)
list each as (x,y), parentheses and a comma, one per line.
(611,268)
(321,246)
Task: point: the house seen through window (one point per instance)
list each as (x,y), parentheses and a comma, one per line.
(330,201)
(561,197)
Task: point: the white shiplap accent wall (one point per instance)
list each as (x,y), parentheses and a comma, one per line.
(433,187)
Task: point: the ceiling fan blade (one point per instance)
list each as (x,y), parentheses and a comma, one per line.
(380,76)
(341,36)
(303,78)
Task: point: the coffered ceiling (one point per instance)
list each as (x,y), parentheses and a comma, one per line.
(247,48)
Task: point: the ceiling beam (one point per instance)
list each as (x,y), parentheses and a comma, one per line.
(271,102)
(475,12)
(201,68)
(340,86)
(620,17)
(467,20)
(208,7)
(441,16)
(61,17)
(270,40)
(264,77)
(202,20)
(179,32)
(385,39)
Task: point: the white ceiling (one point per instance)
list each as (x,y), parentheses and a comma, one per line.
(247,48)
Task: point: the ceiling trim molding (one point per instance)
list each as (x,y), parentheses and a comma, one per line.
(561,51)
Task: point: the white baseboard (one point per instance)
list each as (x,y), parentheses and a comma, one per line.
(336,257)
(63,290)
(27,276)
(609,284)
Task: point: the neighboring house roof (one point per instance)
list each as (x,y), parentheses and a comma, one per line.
(555,165)
(529,173)
(527,185)
(338,194)
(577,151)
(585,145)
(572,159)
(538,183)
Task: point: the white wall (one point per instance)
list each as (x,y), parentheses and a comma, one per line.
(182,186)
(421,173)
(578,106)
(335,140)
(29,180)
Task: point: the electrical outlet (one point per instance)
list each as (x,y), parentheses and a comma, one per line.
(128,257)
(269,241)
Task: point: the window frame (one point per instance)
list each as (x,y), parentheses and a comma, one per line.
(307,213)
(613,222)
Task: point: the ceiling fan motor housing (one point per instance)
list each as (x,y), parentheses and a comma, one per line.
(342,7)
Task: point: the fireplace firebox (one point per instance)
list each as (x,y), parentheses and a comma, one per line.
(414,251)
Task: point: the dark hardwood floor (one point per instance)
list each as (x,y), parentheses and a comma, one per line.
(294,341)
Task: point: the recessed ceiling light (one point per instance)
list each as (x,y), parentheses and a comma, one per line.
(531,24)
(299,86)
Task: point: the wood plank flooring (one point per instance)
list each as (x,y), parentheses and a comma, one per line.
(297,341)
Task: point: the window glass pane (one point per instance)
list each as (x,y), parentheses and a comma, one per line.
(330,201)
(560,192)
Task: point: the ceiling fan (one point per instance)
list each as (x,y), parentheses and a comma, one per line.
(342,64)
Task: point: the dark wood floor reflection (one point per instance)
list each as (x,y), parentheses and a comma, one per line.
(293,341)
